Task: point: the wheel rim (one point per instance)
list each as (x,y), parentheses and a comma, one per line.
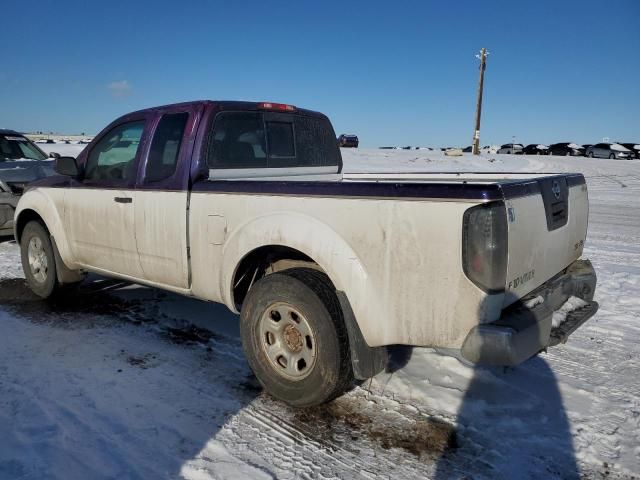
(38,261)
(288,341)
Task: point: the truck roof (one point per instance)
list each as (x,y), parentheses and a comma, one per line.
(226,105)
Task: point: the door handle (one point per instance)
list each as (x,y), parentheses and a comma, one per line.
(122,199)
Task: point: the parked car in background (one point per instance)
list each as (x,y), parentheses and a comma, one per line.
(566,149)
(536,149)
(610,150)
(512,148)
(634,147)
(468,149)
(490,149)
(348,141)
(21,161)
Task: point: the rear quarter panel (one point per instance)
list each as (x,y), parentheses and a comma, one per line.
(398,261)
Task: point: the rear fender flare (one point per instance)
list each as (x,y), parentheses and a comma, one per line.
(316,240)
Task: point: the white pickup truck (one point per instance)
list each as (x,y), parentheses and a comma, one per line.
(246,204)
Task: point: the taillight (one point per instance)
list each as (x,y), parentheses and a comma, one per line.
(279,107)
(484,246)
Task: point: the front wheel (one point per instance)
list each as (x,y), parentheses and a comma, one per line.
(612,157)
(294,337)
(38,261)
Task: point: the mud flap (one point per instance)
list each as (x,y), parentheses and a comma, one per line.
(366,361)
(65,274)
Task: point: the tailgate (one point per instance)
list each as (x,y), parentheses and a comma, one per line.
(547,223)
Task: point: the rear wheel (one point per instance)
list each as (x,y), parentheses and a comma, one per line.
(294,337)
(38,261)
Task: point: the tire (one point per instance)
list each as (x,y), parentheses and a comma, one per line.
(612,157)
(568,154)
(38,261)
(590,154)
(297,313)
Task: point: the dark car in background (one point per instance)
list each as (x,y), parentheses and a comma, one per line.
(21,161)
(611,151)
(348,141)
(634,147)
(512,148)
(536,149)
(566,149)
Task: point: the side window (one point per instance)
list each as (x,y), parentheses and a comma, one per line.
(113,157)
(165,147)
(238,141)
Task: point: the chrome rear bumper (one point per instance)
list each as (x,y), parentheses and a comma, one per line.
(522,331)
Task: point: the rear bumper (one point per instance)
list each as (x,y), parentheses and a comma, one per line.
(525,328)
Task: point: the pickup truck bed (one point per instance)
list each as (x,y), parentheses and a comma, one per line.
(257,214)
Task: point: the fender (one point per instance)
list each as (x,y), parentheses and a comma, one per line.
(48,203)
(316,240)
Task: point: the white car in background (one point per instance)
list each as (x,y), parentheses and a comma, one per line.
(610,150)
(511,148)
(490,149)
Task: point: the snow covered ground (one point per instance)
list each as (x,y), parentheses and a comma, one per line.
(119,381)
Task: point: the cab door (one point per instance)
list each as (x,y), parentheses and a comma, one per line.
(161,198)
(99,209)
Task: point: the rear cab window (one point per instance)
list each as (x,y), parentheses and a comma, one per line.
(251,142)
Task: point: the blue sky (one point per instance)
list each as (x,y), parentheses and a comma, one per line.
(395,73)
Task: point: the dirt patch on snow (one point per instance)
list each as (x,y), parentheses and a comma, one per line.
(189,335)
(349,420)
(16,295)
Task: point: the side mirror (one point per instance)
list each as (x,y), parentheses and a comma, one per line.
(54,155)
(66,166)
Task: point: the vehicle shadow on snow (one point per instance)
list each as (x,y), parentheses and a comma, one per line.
(148,399)
(512,422)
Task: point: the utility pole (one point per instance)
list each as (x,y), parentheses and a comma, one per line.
(476,133)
